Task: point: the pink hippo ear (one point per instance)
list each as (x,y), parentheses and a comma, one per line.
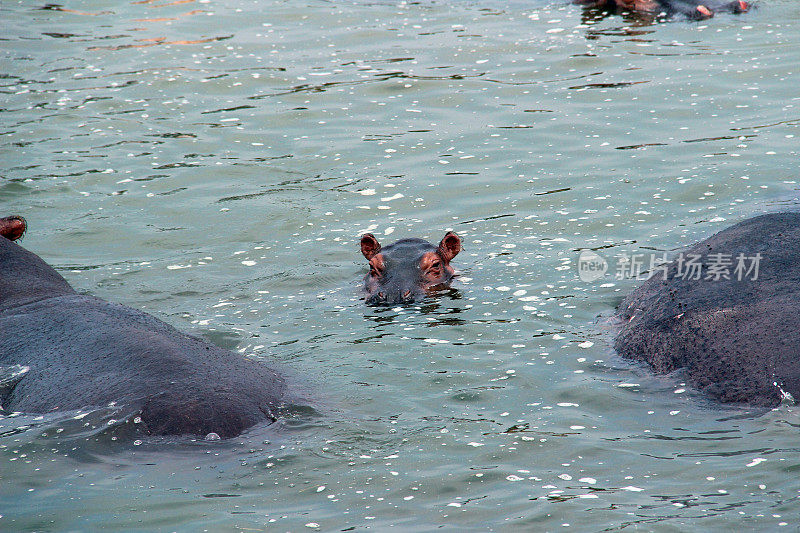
(12,228)
(740,6)
(450,246)
(369,246)
(704,12)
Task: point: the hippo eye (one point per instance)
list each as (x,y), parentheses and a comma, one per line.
(435,269)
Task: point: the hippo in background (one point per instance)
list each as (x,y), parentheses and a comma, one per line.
(82,352)
(738,339)
(693,9)
(402,272)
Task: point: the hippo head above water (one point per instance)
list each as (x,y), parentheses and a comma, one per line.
(403,271)
(692,9)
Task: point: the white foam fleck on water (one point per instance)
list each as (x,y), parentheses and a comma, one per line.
(393,197)
(756,461)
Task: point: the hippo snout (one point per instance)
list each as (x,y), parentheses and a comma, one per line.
(394,297)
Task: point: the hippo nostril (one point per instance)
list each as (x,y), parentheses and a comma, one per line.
(407,295)
(382,296)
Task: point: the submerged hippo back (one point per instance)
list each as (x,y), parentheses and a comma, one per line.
(739,340)
(84,351)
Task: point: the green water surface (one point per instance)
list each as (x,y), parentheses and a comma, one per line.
(214,162)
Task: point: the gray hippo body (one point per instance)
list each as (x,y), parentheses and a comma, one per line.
(738,340)
(83,351)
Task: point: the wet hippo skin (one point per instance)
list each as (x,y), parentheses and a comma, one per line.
(738,340)
(695,9)
(403,271)
(83,351)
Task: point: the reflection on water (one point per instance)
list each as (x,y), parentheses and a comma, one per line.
(436,309)
(213,162)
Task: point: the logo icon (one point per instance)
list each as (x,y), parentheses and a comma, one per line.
(591,266)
